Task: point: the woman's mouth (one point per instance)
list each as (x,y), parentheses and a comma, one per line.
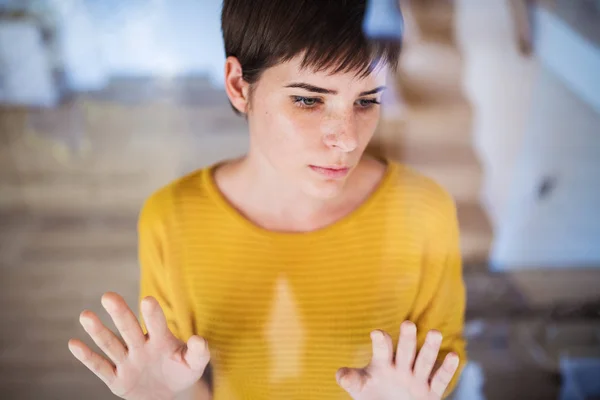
(331,172)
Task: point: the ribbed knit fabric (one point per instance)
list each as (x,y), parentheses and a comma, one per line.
(283,311)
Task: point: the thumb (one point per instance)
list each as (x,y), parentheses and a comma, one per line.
(352,380)
(196,354)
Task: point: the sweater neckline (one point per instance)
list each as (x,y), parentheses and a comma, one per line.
(223,203)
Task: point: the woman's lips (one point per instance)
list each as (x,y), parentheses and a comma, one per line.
(331,172)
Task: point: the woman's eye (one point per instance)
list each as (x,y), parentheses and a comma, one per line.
(306,101)
(366,103)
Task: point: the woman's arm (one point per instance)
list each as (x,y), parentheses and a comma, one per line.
(156,275)
(441,301)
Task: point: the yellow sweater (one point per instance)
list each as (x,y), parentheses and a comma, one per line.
(283,311)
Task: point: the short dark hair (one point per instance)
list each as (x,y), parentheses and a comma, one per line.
(264,33)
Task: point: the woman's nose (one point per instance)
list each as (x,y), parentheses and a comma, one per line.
(342,136)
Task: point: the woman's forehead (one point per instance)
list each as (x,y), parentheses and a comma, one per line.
(292,71)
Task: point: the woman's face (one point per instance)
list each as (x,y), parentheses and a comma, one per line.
(313,127)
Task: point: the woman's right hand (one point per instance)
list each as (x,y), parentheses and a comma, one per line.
(155,366)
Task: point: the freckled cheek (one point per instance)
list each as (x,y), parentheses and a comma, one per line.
(366,127)
(286,137)
(301,128)
(363,126)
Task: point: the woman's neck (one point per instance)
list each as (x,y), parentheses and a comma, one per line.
(256,189)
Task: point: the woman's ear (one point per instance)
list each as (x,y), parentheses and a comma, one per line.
(236,87)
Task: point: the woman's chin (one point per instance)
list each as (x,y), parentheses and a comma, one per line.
(324,189)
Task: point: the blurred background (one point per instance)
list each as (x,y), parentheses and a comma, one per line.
(103,102)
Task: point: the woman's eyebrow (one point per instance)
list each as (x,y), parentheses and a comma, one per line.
(376,90)
(311,88)
(316,89)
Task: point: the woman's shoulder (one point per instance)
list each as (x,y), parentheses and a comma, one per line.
(430,208)
(164,201)
(427,199)
(418,185)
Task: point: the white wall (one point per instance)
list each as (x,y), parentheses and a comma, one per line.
(81,53)
(562,142)
(141,38)
(498,83)
(562,145)
(568,43)
(535,120)
(25,69)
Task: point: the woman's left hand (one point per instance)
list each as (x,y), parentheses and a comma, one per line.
(386,378)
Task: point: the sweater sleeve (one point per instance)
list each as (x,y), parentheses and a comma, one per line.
(441,301)
(155,273)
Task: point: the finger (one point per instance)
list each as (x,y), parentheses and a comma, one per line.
(196,354)
(94,362)
(124,319)
(352,380)
(106,340)
(444,375)
(407,346)
(383,349)
(156,321)
(427,356)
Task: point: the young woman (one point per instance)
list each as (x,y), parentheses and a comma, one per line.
(310,270)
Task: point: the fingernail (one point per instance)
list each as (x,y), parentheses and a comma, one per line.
(453,359)
(408,327)
(108,305)
(345,382)
(76,351)
(435,337)
(377,336)
(147,305)
(86,323)
(338,376)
